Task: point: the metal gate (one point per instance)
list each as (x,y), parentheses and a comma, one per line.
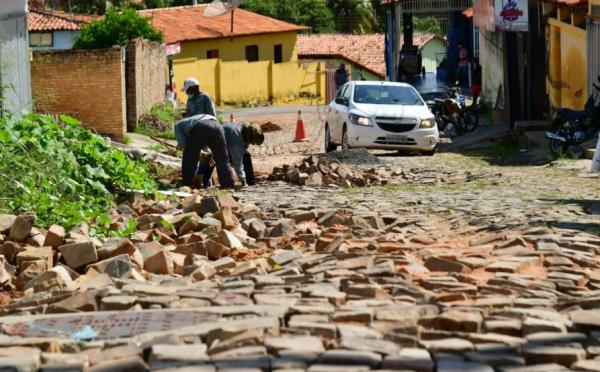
(593,28)
(15,80)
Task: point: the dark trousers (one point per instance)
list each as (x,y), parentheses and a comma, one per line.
(248,169)
(207,133)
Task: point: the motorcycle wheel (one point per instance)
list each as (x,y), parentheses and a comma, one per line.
(557,147)
(470,120)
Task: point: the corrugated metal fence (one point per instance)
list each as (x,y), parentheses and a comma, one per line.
(15,78)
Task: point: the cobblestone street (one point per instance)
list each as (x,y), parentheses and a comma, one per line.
(470,266)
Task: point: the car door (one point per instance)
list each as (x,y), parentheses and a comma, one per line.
(342,102)
(333,115)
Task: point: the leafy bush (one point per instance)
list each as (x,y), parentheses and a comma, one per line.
(63,173)
(116,28)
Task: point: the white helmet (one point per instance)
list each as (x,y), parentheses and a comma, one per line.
(190,82)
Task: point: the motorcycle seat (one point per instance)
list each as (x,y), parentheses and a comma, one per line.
(573,114)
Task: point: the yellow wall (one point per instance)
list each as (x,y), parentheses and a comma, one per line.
(234,49)
(568,65)
(231,80)
(243,83)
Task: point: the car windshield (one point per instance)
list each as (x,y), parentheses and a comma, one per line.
(386,95)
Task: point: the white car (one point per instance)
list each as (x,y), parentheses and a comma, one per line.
(380,115)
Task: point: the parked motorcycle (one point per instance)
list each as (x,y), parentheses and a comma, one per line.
(453,116)
(572,128)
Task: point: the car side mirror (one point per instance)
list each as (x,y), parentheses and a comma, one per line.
(342,101)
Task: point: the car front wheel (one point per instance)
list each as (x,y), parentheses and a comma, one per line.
(329,145)
(345,143)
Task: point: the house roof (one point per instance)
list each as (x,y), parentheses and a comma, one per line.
(40,20)
(187,23)
(366,51)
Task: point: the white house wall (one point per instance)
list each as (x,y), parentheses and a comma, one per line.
(491,55)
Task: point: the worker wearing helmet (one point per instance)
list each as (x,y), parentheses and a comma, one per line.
(198,102)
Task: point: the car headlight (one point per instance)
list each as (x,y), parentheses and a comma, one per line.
(427,123)
(360,120)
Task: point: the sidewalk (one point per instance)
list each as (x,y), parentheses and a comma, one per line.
(479,135)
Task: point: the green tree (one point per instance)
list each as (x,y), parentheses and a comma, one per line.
(312,13)
(352,16)
(116,28)
(429,24)
(379,15)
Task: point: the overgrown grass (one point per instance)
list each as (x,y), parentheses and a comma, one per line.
(159,121)
(62,172)
(500,148)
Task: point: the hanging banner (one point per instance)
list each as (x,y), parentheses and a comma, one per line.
(511,15)
(173,49)
(501,15)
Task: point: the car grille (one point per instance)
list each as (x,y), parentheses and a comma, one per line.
(396,124)
(384,141)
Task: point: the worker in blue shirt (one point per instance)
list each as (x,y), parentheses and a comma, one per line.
(192,135)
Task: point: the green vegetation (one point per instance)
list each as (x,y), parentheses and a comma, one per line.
(63,173)
(159,121)
(312,13)
(116,28)
(429,24)
(322,16)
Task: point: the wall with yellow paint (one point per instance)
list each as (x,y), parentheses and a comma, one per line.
(241,83)
(568,65)
(234,49)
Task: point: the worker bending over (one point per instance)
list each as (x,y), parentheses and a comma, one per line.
(192,135)
(239,137)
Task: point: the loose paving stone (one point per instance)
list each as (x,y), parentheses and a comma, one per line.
(456,366)
(586,365)
(449,345)
(350,358)
(21,227)
(563,355)
(410,359)
(302,344)
(163,355)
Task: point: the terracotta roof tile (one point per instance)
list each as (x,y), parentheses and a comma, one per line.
(39,20)
(366,51)
(188,23)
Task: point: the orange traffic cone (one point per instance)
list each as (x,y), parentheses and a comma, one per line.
(300,132)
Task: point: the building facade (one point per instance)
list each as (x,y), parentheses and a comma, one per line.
(238,46)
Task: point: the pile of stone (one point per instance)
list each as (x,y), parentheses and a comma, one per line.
(318,171)
(208,283)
